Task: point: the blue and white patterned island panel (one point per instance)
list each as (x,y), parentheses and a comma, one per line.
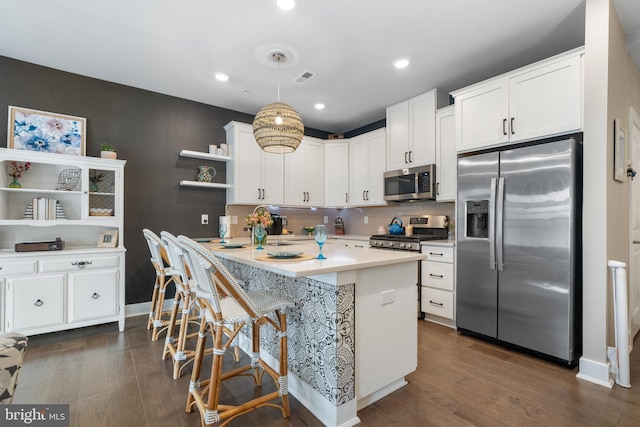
(320,329)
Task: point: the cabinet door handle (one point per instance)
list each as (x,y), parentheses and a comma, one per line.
(511,126)
(436,254)
(405,157)
(438,304)
(504,126)
(439,276)
(95,295)
(263,194)
(81,264)
(367,194)
(363,196)
(38,303)
(346,197)
(437,188)
(259,194)
(410,156)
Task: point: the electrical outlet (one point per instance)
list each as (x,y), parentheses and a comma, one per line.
(204,219)
(366,219)
(388,296)
(234,219)
(326,219)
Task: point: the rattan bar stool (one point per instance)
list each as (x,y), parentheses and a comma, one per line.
(225,302)
(190,313)
(158,318)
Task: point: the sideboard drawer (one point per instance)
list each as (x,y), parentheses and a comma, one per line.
(12,268)
(79,263)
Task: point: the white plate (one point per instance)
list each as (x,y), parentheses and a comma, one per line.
(284,254)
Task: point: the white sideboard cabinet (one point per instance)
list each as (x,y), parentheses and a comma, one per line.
(81,284)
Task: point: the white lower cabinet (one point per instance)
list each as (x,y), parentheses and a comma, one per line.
(48,292)
(438,285)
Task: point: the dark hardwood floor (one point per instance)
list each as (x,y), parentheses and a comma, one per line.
(119,380)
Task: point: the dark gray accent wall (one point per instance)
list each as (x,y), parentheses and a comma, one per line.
(149,130)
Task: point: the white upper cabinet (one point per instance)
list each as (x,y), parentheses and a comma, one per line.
(411,132)
(256,177)
(366,169)
(304,174)
(336,162)
(446,157)
(540,100)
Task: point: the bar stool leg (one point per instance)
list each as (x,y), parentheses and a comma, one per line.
(284,364)
(154,301)
(194,385)
(171,326)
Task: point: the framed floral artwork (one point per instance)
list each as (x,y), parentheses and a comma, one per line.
(45,132)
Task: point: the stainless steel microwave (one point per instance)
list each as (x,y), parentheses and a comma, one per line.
(410,184)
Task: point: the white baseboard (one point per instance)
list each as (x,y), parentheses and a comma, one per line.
(143,308)
(595,372)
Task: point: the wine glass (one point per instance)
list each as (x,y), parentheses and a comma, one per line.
(260,232)
(321,237)
(223,230)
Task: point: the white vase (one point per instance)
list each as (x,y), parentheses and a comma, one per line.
(109,154)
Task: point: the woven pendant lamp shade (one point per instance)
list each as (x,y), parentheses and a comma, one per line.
(278,128)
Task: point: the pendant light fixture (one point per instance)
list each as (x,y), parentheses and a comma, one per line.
(278,128)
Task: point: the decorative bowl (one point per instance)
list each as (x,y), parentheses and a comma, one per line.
(309,229)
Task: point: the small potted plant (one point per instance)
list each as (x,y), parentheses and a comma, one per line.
(108,151)
(94,179)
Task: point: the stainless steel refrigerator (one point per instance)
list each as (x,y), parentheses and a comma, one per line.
(518,279)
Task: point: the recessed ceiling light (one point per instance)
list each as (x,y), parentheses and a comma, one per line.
(286,4)
(319,106)
(221,77)
(401,63)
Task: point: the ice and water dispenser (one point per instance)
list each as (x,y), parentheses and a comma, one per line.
(477,219)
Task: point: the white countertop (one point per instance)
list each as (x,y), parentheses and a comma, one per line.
(339,258)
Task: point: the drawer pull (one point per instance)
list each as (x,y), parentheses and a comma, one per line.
(81,264)
(95,295)
(358,246)
(439,276)
(38,303)
(436,253)
(438,304)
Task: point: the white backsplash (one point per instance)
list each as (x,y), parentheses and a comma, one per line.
(298,218)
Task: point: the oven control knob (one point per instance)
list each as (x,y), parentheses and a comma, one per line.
(402,245)
(389,244)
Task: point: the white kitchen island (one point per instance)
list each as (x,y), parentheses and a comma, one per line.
(347,346)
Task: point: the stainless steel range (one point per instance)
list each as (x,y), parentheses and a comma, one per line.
(421,228)
(426,227)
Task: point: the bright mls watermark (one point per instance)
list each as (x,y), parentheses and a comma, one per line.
(34,415)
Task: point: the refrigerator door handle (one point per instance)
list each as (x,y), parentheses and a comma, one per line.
(491,225)
(499,224)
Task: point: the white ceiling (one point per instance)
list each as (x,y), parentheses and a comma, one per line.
(173,47)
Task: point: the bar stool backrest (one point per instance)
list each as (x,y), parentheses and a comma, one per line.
(176,258)
(156,247)
(206,272)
